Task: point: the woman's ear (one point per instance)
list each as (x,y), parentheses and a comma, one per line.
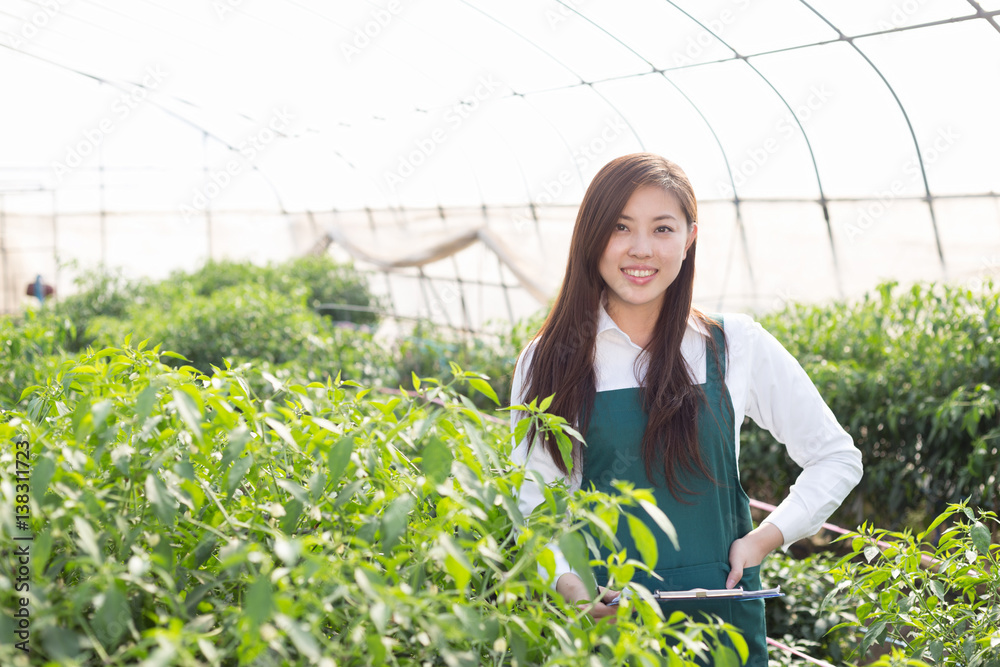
(692,235)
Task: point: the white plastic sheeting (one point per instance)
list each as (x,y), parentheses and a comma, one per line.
(832,145)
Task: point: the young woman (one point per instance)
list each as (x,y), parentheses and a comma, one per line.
(659,391)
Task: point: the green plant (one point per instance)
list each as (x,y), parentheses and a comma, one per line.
(428,351)
(100,292)
(897,658)
(178,518)
(803,617)
(946,610)
(30,350)
(238,322)
(323,280)
(913,377)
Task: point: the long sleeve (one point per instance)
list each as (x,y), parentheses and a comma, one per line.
(537,462)
(781,398)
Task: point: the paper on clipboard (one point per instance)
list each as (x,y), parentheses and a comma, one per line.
(708,594)
(719,593)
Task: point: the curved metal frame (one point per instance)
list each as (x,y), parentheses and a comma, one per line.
(718,142)
(979,13)
(906,117)
(812,155)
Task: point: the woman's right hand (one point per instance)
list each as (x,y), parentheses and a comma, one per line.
(572,588)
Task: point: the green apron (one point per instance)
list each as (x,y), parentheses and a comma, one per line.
(713,517)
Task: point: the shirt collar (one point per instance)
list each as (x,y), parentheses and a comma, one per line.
(605,323)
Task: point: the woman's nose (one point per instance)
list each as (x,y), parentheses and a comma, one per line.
(641,246)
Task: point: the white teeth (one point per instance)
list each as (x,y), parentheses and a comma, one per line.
(638,274)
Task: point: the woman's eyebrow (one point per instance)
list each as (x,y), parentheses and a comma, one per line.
(662,216)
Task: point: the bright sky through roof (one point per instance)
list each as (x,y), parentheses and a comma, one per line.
(831,144)
(369,90)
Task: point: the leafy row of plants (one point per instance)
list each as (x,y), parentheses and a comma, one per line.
(179,518)
(274,316)
(914,376)
(276,340)
(937,600)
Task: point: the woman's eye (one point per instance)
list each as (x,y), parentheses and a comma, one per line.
(621,227)
(664,228)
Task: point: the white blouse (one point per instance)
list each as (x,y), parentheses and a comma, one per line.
(765,383)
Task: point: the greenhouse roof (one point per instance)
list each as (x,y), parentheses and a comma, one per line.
(832,145)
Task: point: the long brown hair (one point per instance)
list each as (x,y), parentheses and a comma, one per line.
(563,360)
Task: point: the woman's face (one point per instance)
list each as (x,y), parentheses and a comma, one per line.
(645,251)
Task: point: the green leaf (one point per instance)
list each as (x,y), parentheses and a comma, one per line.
(204,549)
(293,488)
(395,519)
(87,539)
(435,461)
(644,540)
(283,432)
(339,457)
(483,387)
(723,656)
(521,429)
(937,650)
(317,484)
(574,549)
(661,520)
(238,438)
(980,535)
(293,510)
(565,449)
(935,523)
(99,413)
(546,402)
(160,499)
(188,409)
(380,614)
(456,562)
(258,602)
(41,475)
(28,391)
(236,473)
(871,636)
(741,646)
(111,620)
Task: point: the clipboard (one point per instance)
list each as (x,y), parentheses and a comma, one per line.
(708,594)
(719,593)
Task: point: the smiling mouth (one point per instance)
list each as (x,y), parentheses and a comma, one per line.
(636,273)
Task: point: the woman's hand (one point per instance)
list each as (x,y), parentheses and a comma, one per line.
(750,550)
(572,588)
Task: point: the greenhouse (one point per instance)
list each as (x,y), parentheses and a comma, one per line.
(325,326)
